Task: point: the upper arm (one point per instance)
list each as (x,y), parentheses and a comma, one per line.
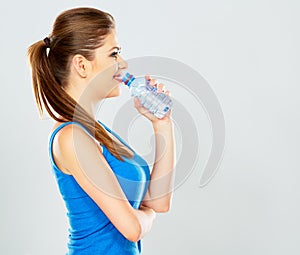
(84,160)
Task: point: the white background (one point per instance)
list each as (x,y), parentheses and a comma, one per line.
(248,51)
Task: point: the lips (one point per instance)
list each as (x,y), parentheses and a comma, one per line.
(118,77)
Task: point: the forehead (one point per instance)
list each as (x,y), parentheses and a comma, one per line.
(110,41)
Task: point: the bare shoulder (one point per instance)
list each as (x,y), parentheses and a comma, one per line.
(65,142)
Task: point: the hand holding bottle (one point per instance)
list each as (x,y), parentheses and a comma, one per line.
(151,95)
(160,87)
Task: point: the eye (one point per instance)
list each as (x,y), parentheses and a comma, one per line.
(115,54)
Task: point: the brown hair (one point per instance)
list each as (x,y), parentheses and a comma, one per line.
(75,31)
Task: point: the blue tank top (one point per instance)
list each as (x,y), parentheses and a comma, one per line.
(91,232)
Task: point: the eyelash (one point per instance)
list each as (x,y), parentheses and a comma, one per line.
(114,54)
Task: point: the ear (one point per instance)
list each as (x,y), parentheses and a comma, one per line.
(81,65)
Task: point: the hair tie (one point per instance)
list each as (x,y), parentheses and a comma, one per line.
(47,42)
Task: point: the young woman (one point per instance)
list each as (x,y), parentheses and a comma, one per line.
(109,191)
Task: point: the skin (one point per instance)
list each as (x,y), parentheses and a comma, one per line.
(89,82)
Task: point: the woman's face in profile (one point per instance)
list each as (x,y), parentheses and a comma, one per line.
(106,64)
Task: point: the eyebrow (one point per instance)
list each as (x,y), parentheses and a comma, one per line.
(115,47)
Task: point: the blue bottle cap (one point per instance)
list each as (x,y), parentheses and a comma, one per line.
(127,78)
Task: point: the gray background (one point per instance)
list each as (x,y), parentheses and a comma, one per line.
(247,51)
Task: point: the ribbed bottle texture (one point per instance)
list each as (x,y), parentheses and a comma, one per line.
(157,103)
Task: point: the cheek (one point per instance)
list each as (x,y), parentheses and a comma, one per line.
(106,66)
(111,69)
(115,67)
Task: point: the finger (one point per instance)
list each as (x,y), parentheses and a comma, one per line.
(147,77)
(168,93)
(153,82)
(160,88)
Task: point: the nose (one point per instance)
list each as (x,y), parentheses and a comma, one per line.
(122,64)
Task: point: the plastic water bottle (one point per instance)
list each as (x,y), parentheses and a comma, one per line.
(157,103)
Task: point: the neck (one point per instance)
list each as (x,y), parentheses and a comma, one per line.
(83,99)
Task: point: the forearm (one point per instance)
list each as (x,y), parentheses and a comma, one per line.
(163,174)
